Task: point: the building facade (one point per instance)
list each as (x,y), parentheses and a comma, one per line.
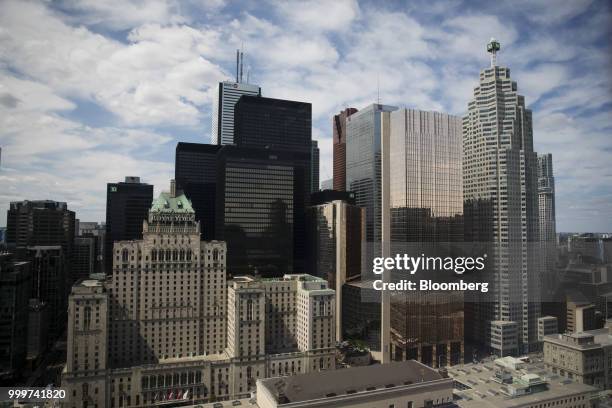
(339,148)
(166,326)
(314,170)
(195,172)
(363,164)
(426,216)
(83,260)
(584,357)
(48,267)
(228,93)
(501,207)
(127,204)
(336,232)
(15,286)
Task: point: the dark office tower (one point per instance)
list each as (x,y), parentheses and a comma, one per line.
(48,268)
(276,124)
(83,260)
(15,286)
(282,126)
(195,174)
(339,149)
(314,173)
(363,171)
(336,232)
(256,204)
(41,222)
(426,217)
(500,194)
(127,206)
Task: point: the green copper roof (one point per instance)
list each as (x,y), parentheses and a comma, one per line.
(166,203)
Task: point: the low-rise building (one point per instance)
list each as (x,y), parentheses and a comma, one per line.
(584,357)
(517,383)
(547,325)
(406,384)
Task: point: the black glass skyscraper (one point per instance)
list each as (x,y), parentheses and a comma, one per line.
(281,126)
(256,205)
(195,174)
(273,124)
(127,206)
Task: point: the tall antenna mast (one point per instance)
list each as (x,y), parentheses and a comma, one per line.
(492,47)
(237,63)
(241,60)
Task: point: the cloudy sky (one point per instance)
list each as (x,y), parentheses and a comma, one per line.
(94,90)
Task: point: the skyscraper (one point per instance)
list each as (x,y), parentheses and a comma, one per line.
(363,172)
(228,93)
(546,197)
(48,267)
(500,193)
(256,201)
(127,204)
(195,173)
(314,169)
(42,222)
(15,288)
(277,124)
(336,231)
(548,235)
(426,216)
(339,148)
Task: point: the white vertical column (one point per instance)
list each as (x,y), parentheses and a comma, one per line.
(385,321)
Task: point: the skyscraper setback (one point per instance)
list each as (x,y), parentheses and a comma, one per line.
(339,148)
(501,207)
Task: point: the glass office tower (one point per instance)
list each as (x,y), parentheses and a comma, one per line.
(363,156)
(255,210)
(426,216)
(195,172)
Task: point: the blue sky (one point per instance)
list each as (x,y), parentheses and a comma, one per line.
(94,90)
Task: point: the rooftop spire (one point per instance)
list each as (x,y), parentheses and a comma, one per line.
(492,47)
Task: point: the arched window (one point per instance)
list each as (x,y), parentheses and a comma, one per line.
(154,255)
(124,255)
(215,255)
(189,254)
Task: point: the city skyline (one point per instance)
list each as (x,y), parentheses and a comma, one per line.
(97,86)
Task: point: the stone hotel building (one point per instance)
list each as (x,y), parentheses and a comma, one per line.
(166,325)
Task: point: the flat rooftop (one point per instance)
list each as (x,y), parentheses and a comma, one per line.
(306,387)
(601,337)
(475,388)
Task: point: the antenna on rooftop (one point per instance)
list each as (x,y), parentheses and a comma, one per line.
(237,63)
(492,47)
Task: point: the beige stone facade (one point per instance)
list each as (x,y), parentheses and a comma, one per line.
(168,326)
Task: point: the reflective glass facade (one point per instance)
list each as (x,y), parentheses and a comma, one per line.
(196,174)
(426,203)
(255,210)
(363,164)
